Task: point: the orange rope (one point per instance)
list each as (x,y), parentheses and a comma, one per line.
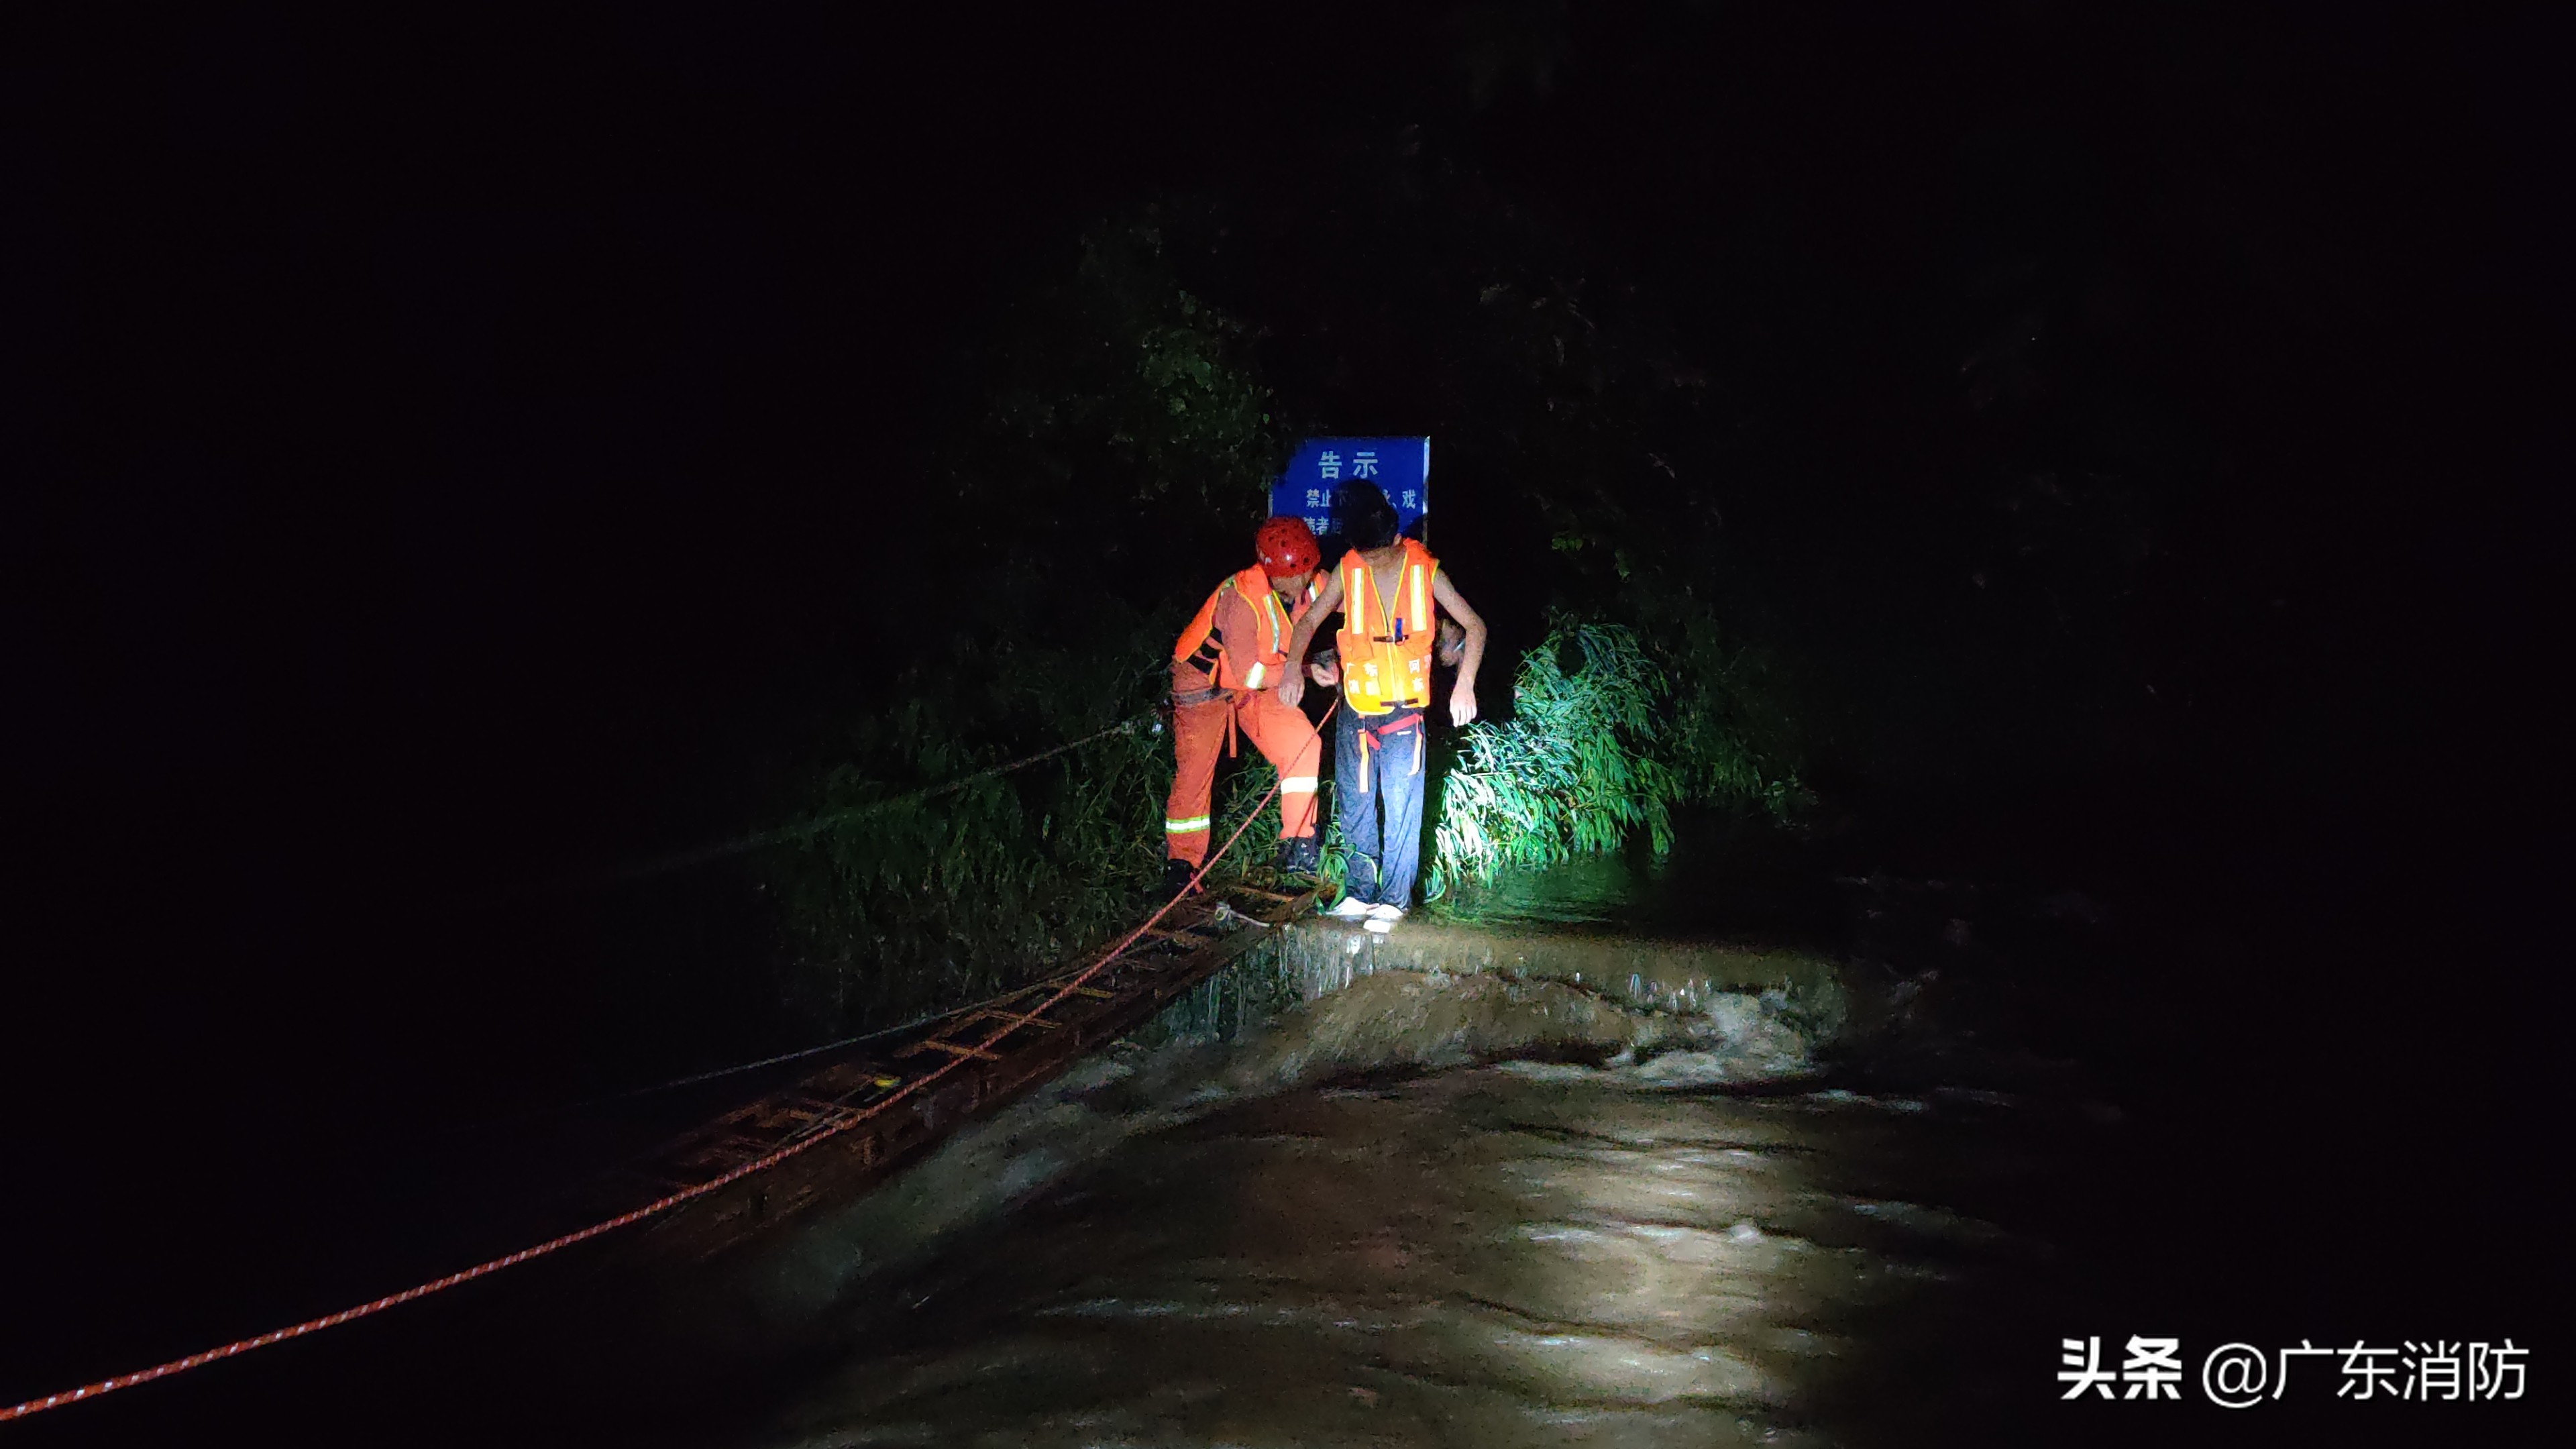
(658,1205)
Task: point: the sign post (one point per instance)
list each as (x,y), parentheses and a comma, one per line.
(1311,489)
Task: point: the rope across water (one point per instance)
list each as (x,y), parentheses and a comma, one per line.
(913,1087)
(807,829)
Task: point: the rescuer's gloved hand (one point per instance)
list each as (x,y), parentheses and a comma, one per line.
(1462,705)
(1324,672)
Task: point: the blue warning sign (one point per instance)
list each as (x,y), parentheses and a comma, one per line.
(1312,487)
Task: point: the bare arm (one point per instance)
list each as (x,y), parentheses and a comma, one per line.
(1462,700)
(1292,686)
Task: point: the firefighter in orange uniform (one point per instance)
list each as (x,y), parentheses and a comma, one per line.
(1225,667)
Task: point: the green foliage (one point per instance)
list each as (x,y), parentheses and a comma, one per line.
(926,903)
(1122,380)
(1116,408)
(901,909)
(1573,771)
(1599,748)
(1728,725)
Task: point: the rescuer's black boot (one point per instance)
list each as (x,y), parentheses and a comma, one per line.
(1301,856)
(1176,876)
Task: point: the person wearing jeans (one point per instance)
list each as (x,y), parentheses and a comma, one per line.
(1377,791)
(1390,592)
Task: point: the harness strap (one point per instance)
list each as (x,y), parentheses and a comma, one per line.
(1378,734)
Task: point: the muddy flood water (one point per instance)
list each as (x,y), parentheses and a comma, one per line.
(1601,1159)
(1474,1207)
(1565,1165)
(1529,1251)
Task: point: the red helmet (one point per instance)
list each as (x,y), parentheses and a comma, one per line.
(1286,546)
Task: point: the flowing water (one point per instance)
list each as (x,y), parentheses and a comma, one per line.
(1443,1207)
(1559,1164)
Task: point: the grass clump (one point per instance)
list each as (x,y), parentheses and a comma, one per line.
(903,905)
(1118,425)
(1600,748)
(890,911)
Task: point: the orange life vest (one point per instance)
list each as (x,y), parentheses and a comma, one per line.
(1202,645)
(1386,644)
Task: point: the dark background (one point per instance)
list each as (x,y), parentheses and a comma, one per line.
(445,451)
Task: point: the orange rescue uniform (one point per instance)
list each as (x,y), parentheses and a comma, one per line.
(1224,666)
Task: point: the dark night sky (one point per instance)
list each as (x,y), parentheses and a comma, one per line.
(481,407)
(440,445)
(435,439)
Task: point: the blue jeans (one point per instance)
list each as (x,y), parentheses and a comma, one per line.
(1386,777)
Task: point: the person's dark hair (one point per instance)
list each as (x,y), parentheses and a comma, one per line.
(1368,520)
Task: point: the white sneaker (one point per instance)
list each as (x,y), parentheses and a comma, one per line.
(1382,918)
(1352,908)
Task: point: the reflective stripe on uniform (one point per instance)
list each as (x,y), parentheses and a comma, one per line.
(1185,827)
(1263,600)
(1297,785)
(1379,630)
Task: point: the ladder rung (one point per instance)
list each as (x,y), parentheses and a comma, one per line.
(1016,1019)
(812,1112)
(950,1047)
